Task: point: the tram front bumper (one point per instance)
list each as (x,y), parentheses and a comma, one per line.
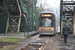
(46,32)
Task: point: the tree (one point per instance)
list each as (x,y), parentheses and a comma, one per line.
(28,3)
(3,16)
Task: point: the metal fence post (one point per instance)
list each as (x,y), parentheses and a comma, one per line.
(32,14)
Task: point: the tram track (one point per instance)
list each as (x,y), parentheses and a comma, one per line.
(46,44)
(38,44)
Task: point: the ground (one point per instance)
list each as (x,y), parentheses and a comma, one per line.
(8,43)
(57,43)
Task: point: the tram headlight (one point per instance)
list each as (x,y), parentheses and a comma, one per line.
(52,28)
(39,28)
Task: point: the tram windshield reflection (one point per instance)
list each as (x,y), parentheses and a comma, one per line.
(46,22)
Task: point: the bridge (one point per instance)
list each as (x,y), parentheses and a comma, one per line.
(18,18)
(67,14)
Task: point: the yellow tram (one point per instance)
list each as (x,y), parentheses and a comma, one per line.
(47,24)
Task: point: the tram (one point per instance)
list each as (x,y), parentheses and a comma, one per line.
(47,24)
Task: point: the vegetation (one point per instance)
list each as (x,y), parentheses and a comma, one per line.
(10,39)
(9,47)
(29,4)
(36,15)
(4,15)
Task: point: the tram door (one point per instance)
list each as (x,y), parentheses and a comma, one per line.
(67,14)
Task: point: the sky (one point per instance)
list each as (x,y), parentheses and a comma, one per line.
(52,3)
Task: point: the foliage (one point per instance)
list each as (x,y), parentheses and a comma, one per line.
(36,15)
(10,40)
(3,13)
(1,2)
(35,1)
(3,16)
(9,47)
(28,3)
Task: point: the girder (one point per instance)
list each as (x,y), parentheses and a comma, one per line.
(67,13)
(16,9)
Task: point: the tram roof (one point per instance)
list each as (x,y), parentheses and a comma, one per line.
(47,12)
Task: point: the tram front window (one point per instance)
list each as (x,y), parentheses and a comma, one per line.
(46,22)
